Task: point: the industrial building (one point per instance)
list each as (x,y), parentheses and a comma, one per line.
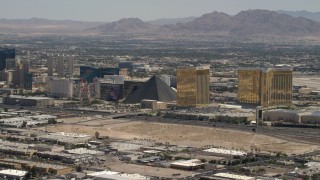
(13,174)
(265,87)
(38,167)
(227,176)
(192,164)
(224,152)
(28,101)
(107,175)
(193,86)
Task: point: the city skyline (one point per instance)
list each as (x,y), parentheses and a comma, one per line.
(111,10)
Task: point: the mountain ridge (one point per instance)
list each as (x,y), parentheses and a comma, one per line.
(245,23)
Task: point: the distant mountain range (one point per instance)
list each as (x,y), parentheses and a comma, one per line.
(315,16)
(251,22)
(245,23)
(40,25)
(127,25)
(169,21)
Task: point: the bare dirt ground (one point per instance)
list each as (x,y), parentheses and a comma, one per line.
(186,135)
(147,170)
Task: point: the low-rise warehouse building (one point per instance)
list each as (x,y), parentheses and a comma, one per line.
(192,164)
(292,116)
(112,175)
(81,151)
(39,167)
(282,115)
(224,152)
(65,138)
(13,174)
(227,176)
(66,158)
(313,118)
(28,101)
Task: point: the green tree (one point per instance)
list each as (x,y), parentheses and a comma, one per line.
(97,134)
(24,124)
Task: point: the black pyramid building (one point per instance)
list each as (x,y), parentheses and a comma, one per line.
(154,89)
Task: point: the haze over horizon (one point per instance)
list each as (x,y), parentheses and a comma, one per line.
(113,10)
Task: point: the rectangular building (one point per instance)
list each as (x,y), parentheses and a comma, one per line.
(192,86)
(265,87)
(6,53)
(89,73)
(62,88)
(111,88)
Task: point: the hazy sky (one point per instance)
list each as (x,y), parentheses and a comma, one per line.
(111,10)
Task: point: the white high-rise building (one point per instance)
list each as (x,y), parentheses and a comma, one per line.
(60,66)
(70,65)
(50,64)
(62,88)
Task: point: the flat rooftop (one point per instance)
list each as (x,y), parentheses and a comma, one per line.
(13,172)
(226,152)
(233,176)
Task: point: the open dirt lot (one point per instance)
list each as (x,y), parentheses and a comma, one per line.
(187,135)
(148,170)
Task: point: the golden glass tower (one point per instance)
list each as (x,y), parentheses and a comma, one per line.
(192,86)
(265,87)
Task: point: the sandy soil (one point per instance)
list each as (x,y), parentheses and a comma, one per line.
(187,135)
(148,170)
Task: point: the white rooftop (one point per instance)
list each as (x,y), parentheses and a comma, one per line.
(84,151)
(13,172)
(226,151)
(187,163)
(234,176)
(117,175)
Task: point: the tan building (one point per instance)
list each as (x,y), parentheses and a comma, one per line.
(265,87)
(193,86)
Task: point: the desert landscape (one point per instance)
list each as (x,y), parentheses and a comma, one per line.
(183,135)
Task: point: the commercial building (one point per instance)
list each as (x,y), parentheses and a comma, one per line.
(38,167)
(88,73)
(290,116)
(153,104)
(13,174)
(60,66)
(265,87)
(312,118)
(6,53)
(62,88)
(224,152)
(192,164)
(228,176)
(126,64)
(110,88)
(154,89)
(70,67)
(107,175)
(21,76)
(28,101)
(193,86)
(50,64)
